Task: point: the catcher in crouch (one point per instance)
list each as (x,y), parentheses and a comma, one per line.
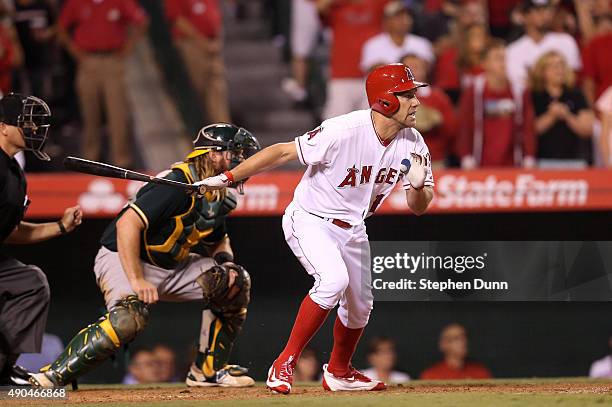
(149,253)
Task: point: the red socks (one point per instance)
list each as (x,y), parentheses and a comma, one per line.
(345,343)
(309,319)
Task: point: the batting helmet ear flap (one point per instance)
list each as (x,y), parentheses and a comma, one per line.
(386,105)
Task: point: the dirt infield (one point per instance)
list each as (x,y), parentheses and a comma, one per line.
(170,394)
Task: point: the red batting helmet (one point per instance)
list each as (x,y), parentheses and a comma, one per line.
(384,82)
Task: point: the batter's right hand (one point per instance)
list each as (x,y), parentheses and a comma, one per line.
(146,291)
(217,182)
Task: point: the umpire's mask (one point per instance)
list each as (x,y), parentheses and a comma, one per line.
(32,116)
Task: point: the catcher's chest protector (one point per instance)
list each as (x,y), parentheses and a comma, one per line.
(173,242)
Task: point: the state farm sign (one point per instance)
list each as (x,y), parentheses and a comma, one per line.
(524,190)
(499,190)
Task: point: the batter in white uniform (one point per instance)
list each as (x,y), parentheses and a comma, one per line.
(354,161)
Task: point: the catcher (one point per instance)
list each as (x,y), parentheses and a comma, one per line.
(158,248)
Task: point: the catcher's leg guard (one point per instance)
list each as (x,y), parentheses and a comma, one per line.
(223,320)
(98,341)
(217,337)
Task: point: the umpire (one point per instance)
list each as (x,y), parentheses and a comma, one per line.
(24,291)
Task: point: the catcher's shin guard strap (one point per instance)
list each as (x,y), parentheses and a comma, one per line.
(98,341)
(217,340)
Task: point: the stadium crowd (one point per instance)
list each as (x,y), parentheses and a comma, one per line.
(519,83)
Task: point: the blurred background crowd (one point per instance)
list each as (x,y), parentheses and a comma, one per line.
(159,363)
(523,83)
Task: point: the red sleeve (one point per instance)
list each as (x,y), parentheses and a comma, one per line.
(480,371)
(432,373)
(6,62)
(68,15)
(433,6)
(133,12)
(173,9)
(449,126)
(446,73)
(588,68)
(465,135)
(427,374)
(529,136)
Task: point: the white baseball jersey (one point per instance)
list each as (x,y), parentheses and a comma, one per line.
(350,169)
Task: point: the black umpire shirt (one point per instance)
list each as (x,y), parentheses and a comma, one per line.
(13,198)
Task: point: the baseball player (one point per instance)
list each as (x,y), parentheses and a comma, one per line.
(353,163)
(24,291)
(171,246)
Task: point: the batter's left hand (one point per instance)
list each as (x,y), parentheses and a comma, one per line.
(417,172)
(72,218)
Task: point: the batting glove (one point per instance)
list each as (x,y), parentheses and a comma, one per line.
(217,182)
(415,171)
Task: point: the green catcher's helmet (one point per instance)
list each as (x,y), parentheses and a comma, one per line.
(225,137)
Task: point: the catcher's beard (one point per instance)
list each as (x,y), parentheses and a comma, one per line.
(205,169)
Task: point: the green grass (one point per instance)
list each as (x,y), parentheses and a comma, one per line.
(408,400)
(490,393)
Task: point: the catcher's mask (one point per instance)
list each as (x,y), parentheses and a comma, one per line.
(226,137)
(32,116)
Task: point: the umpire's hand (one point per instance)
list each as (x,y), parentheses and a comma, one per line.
(146,291)
(72,218)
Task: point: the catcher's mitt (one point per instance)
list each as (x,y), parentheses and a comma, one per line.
(216,289)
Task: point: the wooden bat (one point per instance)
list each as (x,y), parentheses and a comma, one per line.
(107,170)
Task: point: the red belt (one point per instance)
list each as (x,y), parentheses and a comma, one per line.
(340,223)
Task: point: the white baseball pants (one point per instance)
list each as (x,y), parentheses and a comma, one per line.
(338,259)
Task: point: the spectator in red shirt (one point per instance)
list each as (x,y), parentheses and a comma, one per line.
(604,107)
(597,69)
(196,28)
(465,35)
(99,35)
(497,125)
(500,16)
(458,66)
(7,60)
(454,347)
(436,119)
(352,23)
(593,17)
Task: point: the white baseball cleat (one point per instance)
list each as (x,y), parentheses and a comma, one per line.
(229,376)
(280,376)
(354,381)
(41,380)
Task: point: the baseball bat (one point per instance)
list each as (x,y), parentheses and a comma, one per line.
(107,170)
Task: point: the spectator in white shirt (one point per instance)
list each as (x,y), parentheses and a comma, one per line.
(538,40)
(601,368)
(382,357)
(396,40)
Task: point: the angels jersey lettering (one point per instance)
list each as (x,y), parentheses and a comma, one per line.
(350,170)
